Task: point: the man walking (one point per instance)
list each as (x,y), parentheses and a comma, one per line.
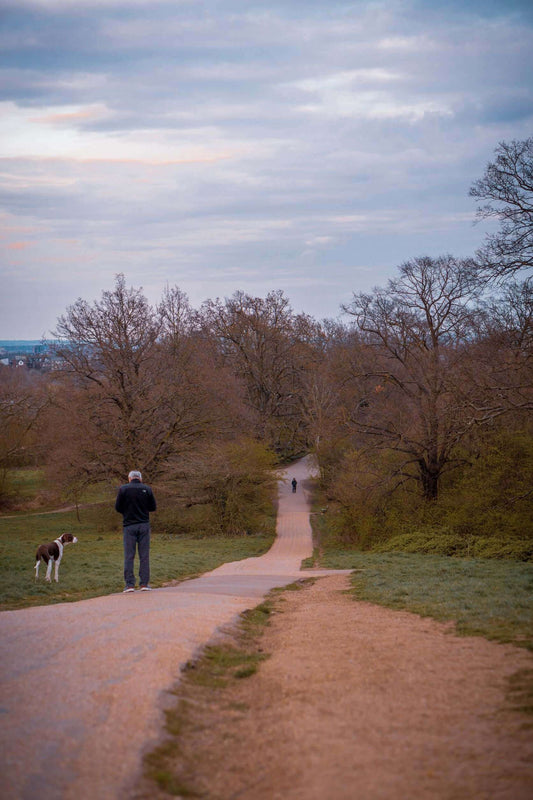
(134,501)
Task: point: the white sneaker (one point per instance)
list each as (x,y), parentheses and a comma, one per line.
(146,588)
(128,589)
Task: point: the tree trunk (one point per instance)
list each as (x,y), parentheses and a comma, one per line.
(429,478)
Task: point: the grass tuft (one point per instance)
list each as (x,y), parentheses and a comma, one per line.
(219,665)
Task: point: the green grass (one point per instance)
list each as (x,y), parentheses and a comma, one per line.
(27,491)
(484,597)
(26,483)
(94,566)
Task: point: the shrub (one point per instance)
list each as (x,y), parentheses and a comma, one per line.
(484,508)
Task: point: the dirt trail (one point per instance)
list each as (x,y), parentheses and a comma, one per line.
(358,702)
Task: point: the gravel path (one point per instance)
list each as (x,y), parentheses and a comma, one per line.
(83,684)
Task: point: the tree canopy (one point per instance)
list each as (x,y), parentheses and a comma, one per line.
(507,189)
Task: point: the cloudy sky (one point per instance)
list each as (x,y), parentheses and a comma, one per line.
(305,145)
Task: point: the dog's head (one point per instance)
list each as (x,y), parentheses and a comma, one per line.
(68,538)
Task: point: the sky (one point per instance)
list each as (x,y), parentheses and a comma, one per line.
(311,146)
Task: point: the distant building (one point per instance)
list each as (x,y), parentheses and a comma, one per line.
(28,354)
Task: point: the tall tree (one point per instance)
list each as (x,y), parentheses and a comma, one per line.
(507,188)
(270,349)
(23,399)
(404,367)
(500,370)
(136,405)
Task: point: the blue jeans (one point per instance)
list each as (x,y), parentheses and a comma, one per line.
(137,537)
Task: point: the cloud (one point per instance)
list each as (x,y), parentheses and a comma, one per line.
(75,5)
(406,44)
(55,133)
(70,116)
(226,146)
(18,245)
(370,93)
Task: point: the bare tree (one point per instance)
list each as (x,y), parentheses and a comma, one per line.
(23,399)
(176,320)
(499,373)
(270,349)
(507,188)
(141,398)
(413,335)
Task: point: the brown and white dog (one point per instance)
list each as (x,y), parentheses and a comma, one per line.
(52,553)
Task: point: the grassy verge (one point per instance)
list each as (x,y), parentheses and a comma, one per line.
(483,597)
(486,598)
(202,696)
(94,566)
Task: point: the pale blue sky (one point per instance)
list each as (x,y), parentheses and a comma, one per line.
(306,146)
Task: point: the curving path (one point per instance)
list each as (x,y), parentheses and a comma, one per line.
(83,685)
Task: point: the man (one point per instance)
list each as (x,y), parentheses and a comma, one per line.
(134,501)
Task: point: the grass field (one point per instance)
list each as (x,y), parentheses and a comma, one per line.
(94,566)
(485,597)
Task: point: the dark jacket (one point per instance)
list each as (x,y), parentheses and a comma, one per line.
(134,501)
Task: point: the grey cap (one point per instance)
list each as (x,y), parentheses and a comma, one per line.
(135,474)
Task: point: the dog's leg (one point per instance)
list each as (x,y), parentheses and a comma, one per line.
(37,568)
(49,569)
(56,568)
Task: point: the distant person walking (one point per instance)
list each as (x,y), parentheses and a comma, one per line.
(294,483)
(134,501)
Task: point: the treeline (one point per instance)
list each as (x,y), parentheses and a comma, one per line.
(417,405)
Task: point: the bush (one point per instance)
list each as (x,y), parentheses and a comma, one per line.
(227,489)
(484,508)
(240,486)
(492,496)
(443,542)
